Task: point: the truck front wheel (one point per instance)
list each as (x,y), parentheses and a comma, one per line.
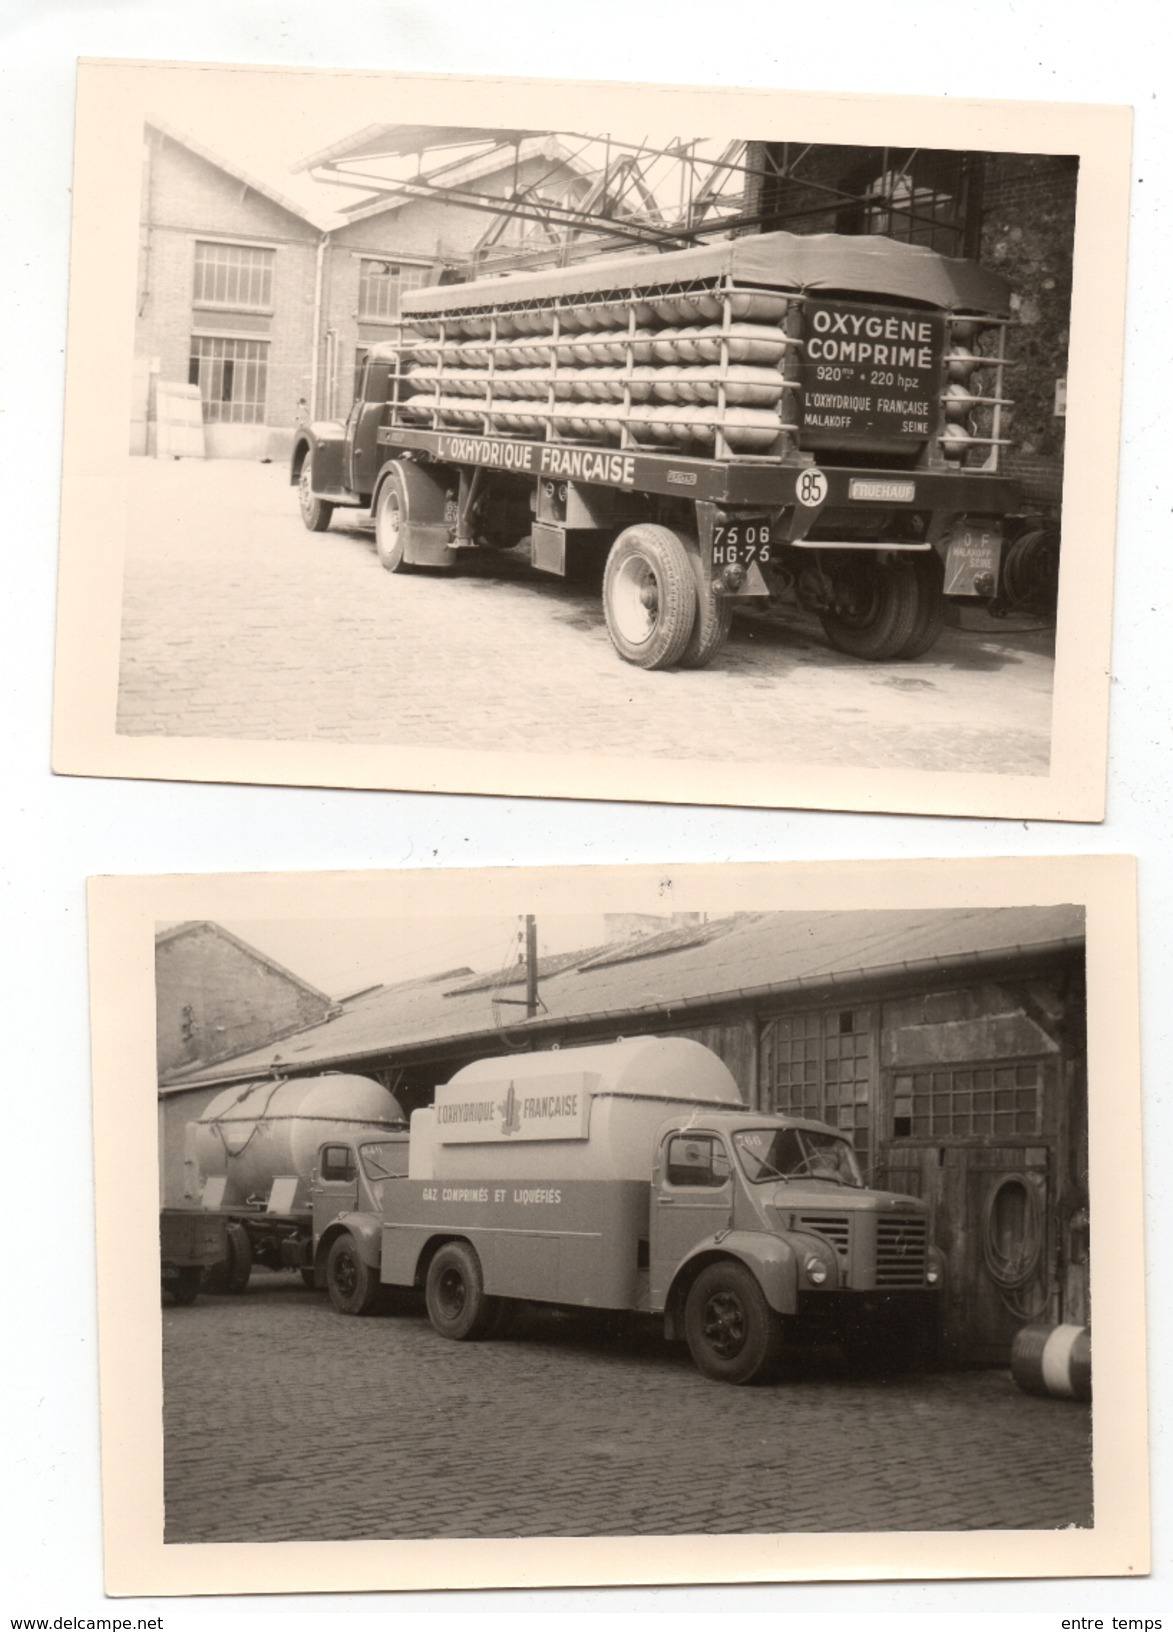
(649,596)
(391,524)
(351,1282)
(877,610)
(315,512)
(455,1294)
(733,1334)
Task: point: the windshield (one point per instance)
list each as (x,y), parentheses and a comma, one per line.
(795,1153)
(385,1160)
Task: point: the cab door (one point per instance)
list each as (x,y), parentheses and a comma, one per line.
(362,427)
(335,1185)
(692,1200)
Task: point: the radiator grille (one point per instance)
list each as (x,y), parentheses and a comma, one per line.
(900,1251)
(833,1227)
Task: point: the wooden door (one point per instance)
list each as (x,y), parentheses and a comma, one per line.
(984,1156)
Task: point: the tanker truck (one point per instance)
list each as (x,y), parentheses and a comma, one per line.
(813,419)
(258,1150)
(632,1176)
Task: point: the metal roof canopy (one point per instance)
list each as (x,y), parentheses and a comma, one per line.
(775,260)
(400,141)
(811,956)
(620,175)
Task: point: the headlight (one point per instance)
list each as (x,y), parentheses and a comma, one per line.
(932,1275)
(816,1270)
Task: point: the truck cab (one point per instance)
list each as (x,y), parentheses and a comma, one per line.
(783,1199)
(347,1186)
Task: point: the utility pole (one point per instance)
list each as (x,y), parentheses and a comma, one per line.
(531,966)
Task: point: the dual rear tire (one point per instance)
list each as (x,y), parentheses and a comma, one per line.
(887,611)
(660,608)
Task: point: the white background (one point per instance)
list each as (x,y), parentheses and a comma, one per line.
(60,830)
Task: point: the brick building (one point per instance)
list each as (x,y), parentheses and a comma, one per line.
(243,294)
(225,297)
(1011,211)
(216,996)
(950,1045)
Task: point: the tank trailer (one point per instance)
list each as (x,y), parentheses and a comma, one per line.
(254,1155)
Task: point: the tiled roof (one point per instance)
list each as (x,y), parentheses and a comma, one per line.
(679,970)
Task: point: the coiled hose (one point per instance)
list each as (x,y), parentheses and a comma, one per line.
(1013,1271)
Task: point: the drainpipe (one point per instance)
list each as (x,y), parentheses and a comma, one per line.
(316,369)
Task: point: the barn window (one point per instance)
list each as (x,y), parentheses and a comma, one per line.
(968,1101)
(822,1064)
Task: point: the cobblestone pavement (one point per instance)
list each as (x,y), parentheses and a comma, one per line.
(239,623)
(286,1421)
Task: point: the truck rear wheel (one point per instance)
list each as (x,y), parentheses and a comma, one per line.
(877,611)
(315,512)
(455,1294)
(391,524)
(930,613)
(184,1285)
(231,1275)
(351,1282)
(714,615)
(733,1334)
(649,596)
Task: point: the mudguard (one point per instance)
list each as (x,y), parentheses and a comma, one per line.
(424,495)
(326,440)
(769,1259)
(366,1230)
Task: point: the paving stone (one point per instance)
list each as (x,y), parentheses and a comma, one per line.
(239,623)
(285,1421)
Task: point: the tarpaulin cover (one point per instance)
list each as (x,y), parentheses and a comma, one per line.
(793,262)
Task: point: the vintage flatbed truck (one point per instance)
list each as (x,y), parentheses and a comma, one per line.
(632,1176)
(814,419)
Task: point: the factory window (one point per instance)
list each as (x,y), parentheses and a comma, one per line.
(968,1101)
(232,376)
(380,284)
(822,1064)
(235,276)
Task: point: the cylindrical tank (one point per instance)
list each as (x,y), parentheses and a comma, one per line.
(1053,1360)
(633,1086)
(259,1131)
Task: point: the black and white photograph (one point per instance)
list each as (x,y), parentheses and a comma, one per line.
(633,1223)
(751,444)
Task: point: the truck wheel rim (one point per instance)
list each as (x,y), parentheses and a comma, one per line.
(635,600)
(345,1273)
(724,1325)
(451,1293)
